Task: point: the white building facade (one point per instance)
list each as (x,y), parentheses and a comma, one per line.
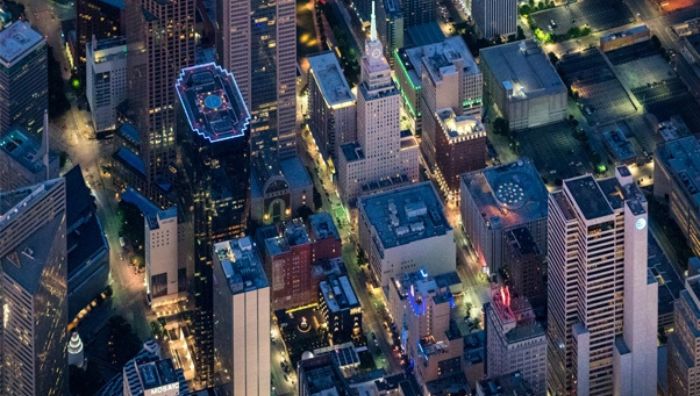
(106,82)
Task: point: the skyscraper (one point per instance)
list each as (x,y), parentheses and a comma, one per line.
(495,17)
(33,288)
(99,18)
(418,12)
(602,302)
(213,133)
(381,156)
(257,43)
(683,355)
(242,313)
(106,80)
(24,79)
(160,37)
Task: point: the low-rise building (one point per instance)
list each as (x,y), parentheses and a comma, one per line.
(506,385)
(405,229)
(624,38)
(341,309)
(521,81)
(325,239)
(498,199)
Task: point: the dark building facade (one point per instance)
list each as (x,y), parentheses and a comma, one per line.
(213,135)
(101,18)
(418,12)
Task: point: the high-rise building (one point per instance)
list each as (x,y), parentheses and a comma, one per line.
(380,157)
(521,81)
(683,355)
(24,160)
(161,42)
(454,78)
(106,80)
(675,170)
(497,200)
(602,299)
(451,82)
(390,26)
(524,266)
(24,78)
(331,105)
(164,276)
(213,135)
(242,319)
(33,289)
(494,18)
(98,18)
(87,247)
(405,229)
(418,12)
(515,341)
(257,43)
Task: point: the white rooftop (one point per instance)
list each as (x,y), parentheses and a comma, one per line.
(16,41)
(334,87)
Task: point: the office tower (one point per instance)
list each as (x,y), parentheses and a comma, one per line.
(325,239)
(683,355)
(390,26)
(495,18)
(98,18)
(213,132)
(164,276)
(418,12)
(451,72)
(498,199)
(242,319)
(524,266)
(421,306)
(24,159)
(147,374)
(161,42)
(515,341)
(340,309)
(257,43)
(33,291)
(602,301)
(521,81)
(451,90)
(380,157)
(24,78)
(106,80)
(87,247)
(331,105)
(405,229)
(459,147)
(674,165)
(288,265)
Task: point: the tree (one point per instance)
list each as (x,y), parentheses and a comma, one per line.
(501,126)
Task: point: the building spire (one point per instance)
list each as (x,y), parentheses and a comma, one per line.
(373,25)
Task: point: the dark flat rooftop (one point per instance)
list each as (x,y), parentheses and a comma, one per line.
(588,197)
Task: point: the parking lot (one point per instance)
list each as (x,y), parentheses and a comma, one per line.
(596,14)
(601,96)
(557,154)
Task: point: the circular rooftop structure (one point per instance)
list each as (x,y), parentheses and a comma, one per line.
(213,102)
(511,192)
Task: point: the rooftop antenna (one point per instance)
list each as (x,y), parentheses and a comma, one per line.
(373,25)
(45,144)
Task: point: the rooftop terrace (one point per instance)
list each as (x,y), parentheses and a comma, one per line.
(241,265)
(460,128)
(212,103)
(508,195)
(16,41)
(405,214)
(329,76)
(522,67)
